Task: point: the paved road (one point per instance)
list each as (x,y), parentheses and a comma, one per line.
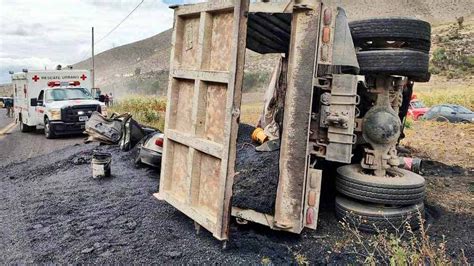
(16,146)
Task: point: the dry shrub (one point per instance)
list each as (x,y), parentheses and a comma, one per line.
(461,95)
(403,246)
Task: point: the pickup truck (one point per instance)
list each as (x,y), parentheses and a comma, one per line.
(60,101)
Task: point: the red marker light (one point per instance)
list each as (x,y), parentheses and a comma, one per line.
(310,216)
(159,142)
(53,84)
(327,16)
(326,34)
(74,83)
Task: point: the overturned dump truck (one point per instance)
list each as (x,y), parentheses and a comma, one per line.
(346,91)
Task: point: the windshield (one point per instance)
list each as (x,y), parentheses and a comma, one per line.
(67,94)
(460,109)
(417,104)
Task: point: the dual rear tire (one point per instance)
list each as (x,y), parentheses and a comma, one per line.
(393,46)
(375,218)
(373,203)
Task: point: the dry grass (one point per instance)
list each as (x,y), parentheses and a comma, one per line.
(250,112)
(400,247)
(149,111)
(439,91)
(449,143)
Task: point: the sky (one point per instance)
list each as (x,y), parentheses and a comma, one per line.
(35,34)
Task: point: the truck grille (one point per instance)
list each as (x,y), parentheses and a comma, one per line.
(72,113)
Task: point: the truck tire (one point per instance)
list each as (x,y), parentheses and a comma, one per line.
(24,128)
(406,33)
(413,64)
(48,131)
(374,218)
(402,187)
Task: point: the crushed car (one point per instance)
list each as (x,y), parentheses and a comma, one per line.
(150,150)
(123,130)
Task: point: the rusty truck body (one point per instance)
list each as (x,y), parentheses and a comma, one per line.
(321,120)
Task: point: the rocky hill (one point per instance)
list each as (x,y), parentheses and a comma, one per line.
(6,90)
(142,67)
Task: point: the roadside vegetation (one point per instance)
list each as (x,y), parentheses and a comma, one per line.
(452,50)
(402,246)
(439,91)
(149,111)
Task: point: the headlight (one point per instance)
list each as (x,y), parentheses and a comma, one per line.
(55,114)
(103,110)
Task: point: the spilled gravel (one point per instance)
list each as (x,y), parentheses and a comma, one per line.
(52,211)
(255,185)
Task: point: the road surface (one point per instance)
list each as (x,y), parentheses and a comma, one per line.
(16,146)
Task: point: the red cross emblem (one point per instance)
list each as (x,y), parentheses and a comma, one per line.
(35,78)
(83,77)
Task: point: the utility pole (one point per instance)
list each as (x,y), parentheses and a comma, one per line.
(93,64)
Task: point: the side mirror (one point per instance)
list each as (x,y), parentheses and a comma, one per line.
(34,102)
(39,102)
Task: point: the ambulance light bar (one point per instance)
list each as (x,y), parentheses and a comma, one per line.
(63,84)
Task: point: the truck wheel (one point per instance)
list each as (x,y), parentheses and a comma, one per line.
(24,128)
(442,119)
(412,64)
(48,131)
(373,218)
(400,187)
(392,32)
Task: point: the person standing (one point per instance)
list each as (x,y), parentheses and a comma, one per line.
(9,106)
(106,99)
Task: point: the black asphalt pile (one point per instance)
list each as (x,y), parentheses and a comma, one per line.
(434,168)
(255,185)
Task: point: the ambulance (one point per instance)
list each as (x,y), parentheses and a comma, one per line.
(60,101)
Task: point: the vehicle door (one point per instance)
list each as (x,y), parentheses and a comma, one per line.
(445,113)
(40,108)
(431,113)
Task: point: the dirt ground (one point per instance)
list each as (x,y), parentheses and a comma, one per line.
(52,211)
(445,142)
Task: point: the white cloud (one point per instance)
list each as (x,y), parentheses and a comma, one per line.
(31,62)
(38,33)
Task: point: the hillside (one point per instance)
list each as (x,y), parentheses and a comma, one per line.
(6,90)
(142,67)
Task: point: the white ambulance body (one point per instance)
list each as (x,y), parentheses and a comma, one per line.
(61,101)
